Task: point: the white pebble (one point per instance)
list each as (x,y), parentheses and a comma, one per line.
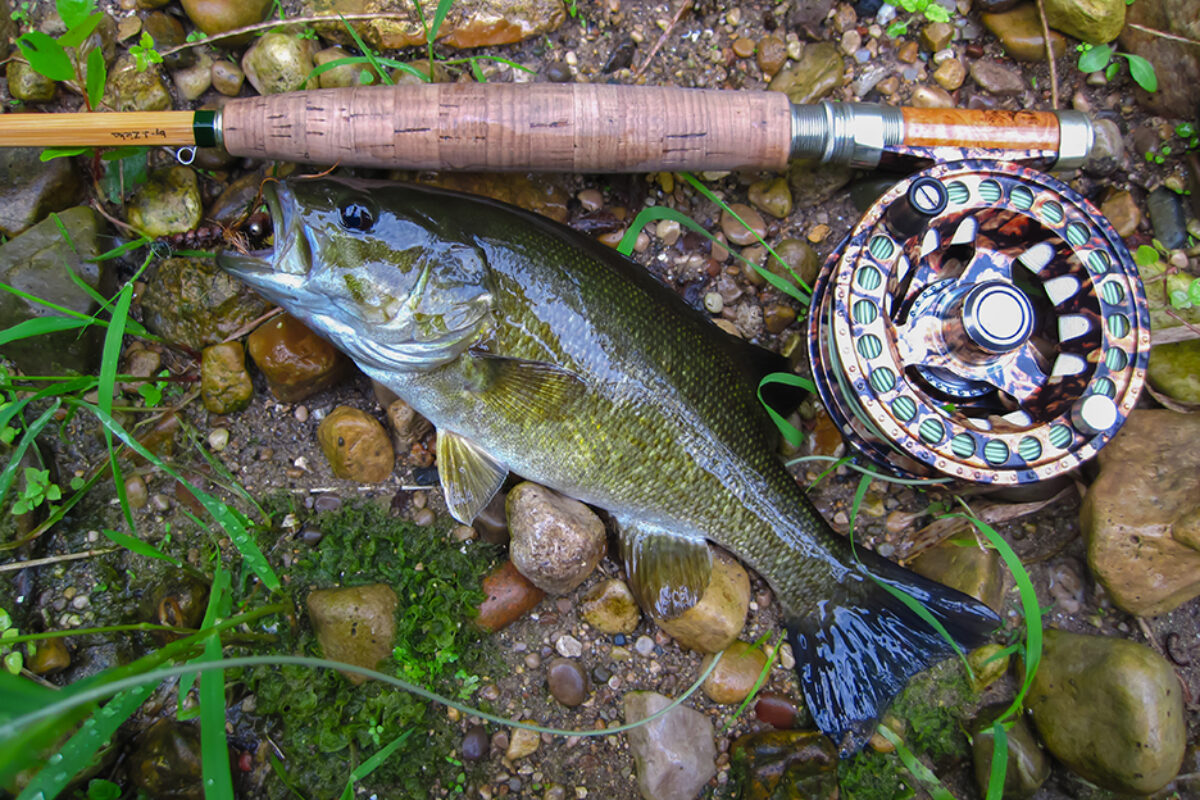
(569,647)
(218,439)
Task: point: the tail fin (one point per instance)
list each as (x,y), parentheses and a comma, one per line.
(861,647)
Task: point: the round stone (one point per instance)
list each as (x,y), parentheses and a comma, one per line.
(567,681)
(475,743)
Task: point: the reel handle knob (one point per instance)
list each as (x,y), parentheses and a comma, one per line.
(925,199)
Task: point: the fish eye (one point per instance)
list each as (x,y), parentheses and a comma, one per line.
(356,216)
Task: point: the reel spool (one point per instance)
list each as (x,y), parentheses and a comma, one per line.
(982,321)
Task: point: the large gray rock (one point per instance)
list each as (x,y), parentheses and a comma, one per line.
(1177,64)
(34,263)
(1147,554)
(556,541)
(30,188)
(675,755)
(1111,710)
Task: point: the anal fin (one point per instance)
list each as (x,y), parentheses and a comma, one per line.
(668,571)
(470,477)
(856,653)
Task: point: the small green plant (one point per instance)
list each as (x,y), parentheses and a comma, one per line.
(50,58)
(929,9)
(1187,132)
(38,489)
(12,659)
(1094,58)
(144,53)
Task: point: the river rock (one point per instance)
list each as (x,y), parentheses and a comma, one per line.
(799,261)
(777,710)
(30,188)
(215,17)
(227,77)
(28,85)
(1167,217)
(354,624)
(610,607)
(556,541)
(949,76)
(130,90)
(344,75)
(225,385)
(1122,211)
(1093,21)
(357,446)
(194,80)
(279,62)
(674,755)
(996,78)
(960,563)
(1110,709)
(988,665)
(34,263)
(295,361)
(167,32)
(792,765)
(1020,33)
(814,184)
(1175,370)
(1028,768)
(567,681)
(818,72)
(168,203)
(524,742)
(735,674)
(51,656)
(1177,64)
(1147,554)
(716,620)
(1108,151)
(771,195)
(474,23)
(165,762)
(191,302)
(508,596)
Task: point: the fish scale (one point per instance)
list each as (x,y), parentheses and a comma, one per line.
(537,350)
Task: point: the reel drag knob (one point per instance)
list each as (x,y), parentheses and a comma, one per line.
(982,321)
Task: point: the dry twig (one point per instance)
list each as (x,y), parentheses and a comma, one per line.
(1049,45)
(684,7)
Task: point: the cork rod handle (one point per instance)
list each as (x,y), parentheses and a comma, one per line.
(556,127)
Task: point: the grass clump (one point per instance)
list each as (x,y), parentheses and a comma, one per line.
(322,724)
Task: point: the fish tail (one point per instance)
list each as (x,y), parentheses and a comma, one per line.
(856,653)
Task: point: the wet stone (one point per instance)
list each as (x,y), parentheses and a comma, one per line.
(194,303)
(778,316)
(220,16)
(987,666)
(278,62)
(610,607)
(1146,554)
(962,564)
(1111,710)
(556,541)
(1028,767)
(28,85)
(776,710)
(136,492)
(1173,370)
(51,656)
(1176,63)
(738,233)
(772,196)
(743,47)
(130,90)
(168,203)
(165,762)
(522,743)
(508,596)
(674,756)
(717,619)
(1167,217)
(354,625)
(1020,33)
(787,764)
(475,743)
(814,184)
(195,80)
(814,76)
(227,78)
(295,361)
(225,385)
(30,189)
(357,446)
(167,32)
(771,55)
(997,78)
(1108,151)
(950,74)
(735,674)
(1122,211)
(1092,21)
(936,36)
(567,681)
(932,96)
(343,76)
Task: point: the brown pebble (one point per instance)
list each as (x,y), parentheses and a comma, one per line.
(950,74)
(509,595)
(778,316)
(424,517)
(475,744)
(567,681)
(908,52)
(743,47)
(771,55)
(777,710)
(591,200)
(741,234)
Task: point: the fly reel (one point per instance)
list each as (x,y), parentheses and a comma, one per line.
(982,321)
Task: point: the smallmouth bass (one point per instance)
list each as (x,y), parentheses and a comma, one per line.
(539,351)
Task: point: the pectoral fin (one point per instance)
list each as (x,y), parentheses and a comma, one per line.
(470,477)
(668,572)
(523,389)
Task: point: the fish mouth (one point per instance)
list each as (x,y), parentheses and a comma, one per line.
(274,271)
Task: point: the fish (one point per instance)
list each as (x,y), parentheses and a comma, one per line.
(538,351)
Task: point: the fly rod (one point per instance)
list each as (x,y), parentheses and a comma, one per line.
(570,128)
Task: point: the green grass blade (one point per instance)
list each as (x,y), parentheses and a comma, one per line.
(999,768)
(439,16)
(918,770)
(371,764)
(218,606)
(31,433)
(76,755)
(369,54)
(790,433)
(40,326)
(214,747)
(139,546)
(110,358)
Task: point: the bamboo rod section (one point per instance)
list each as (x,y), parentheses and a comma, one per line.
(98,129)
